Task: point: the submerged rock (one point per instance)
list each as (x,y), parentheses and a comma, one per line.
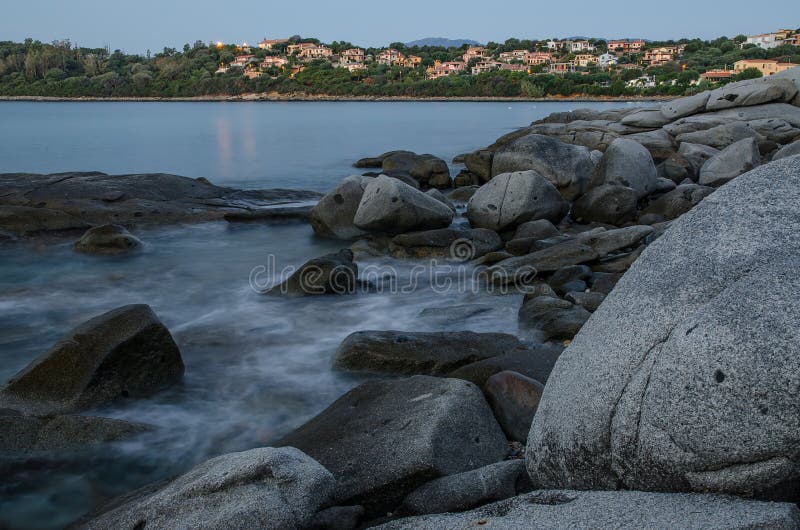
(107,239)
(384,439)
(125,353)
(261,488)
(701,395)
(335,273)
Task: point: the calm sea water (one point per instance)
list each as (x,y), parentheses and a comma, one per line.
(256,366)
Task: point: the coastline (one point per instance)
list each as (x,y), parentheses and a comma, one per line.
(276,97)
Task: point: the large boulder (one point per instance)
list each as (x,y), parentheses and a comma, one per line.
(385,438)
(608,203)
(428,170)
(696,155)
(124,353)
(677,202)
(261,488)
(792,74)
(511,199)
(627,163)
(792,149)
(406,352)
(466,490)
(536,363)
(335,273)
(686,377)
(333,214)
(567,166)
(659,143)
(682,107)
(617,510)
(107,239)
(479,163)
(751,92)
(649,118)
(393,207)
(522,270)
(514,399)
(552,318)
(734,160)
(721,136)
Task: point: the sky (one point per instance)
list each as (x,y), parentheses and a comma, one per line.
(137,26)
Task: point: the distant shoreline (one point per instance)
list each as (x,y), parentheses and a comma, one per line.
(318,97)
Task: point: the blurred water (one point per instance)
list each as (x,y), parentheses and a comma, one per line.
(256,366)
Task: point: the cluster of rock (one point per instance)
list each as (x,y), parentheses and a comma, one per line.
(674,404)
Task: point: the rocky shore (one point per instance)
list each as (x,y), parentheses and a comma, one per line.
(653,383)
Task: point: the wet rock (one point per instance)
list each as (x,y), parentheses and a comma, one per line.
(751,92)
(589,301)
(377,161)
(619,262)
(514,399)
(479,163)
(627,163)
(260,488)
(333,215)
(466,490)
(524,269)
(604,282)
(330,274)
(465,178)
(459,245)
(552,318)
(522,246)
(567,166)
(682,107)
(511,199)
(701,394)
(393,207)
(566,275)
(405,352)
(696,155)
(536,363)
(107,239)
(608,241)
(70,201)
(539,229)
(734,160)
(26,435)
(428,170)
(607,203)
(463,194)
(562,510)
(384,439)
(124,353)
(677,202)
(337,518)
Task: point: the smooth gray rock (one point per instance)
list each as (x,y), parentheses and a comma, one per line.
(32,204)
(682,107)
(734,160)
(428,170)
(536,363)
(722,136)
(751,92)
(124,353)
(676,168)
(567,166)
(377,161)
(792,149)
(607,203)
(393,207)
(678,201)
(540,229)
(514,399)
(410,353)
(552,318)
(333,214)
(702,393)
(612,510)
(522,270)
(775,129)
(510,199)
(567,275)
(385,438)
(479,163)
(589,301)
(261,488)
(793,74)
(696,155)
(627,163)
(466,490)
(458,245)
(659,143)
(439,196)
(107,239)
(646,118)
(784,111)
(463,194)
(334,273)
(607,241)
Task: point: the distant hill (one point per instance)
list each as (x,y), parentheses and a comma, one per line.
(441,41)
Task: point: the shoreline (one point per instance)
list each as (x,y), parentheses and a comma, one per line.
(275,97)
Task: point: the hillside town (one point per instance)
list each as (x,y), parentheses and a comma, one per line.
(552,56)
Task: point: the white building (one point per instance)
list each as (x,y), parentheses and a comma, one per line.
(765,40)
(607,59)
(643,82)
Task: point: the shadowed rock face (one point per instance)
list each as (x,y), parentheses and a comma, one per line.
(125,353)
(686,377)
(65,201)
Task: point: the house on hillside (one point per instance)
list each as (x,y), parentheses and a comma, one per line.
(389,57)
(577,46)
(585,59)
(537,58)
(485,66)
(316,52)
(561,68)
(767,67)
(607,59)
(443,69)
(293,49)
(475,52)
(268,44)
(716,76)
(766,41)
(645,81)
(352,56)
(554,44)
(274,61)
(243,60)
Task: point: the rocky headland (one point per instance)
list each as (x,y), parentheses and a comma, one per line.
(654,382)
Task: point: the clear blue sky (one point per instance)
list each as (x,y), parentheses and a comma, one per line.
(135,26)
